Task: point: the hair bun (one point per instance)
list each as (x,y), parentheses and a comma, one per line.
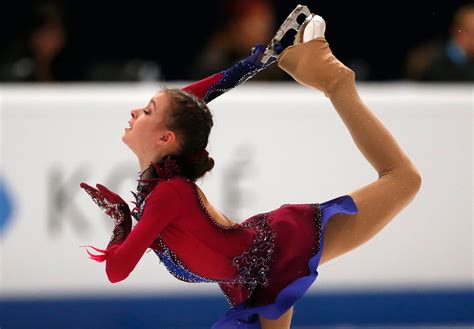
(201,164)
(197,155)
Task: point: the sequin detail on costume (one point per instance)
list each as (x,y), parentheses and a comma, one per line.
(165,170)
(122,227)
(253,264)
(117,235)
(236,75)
(209,216)
(318,219)
(175,266)
(139,203)
(111,209)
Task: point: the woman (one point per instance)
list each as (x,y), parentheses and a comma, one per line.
(265,264)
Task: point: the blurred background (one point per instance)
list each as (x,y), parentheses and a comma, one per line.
(71,71)
(107,41)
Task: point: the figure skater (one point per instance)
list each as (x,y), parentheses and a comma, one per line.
(266,263)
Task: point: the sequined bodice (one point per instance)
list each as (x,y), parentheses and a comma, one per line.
(249,267)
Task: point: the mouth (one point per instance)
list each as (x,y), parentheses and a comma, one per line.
(129,125)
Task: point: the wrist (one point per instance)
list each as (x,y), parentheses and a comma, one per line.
(120,232)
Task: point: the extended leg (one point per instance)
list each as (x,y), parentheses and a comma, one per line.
(313,64)
(379,202)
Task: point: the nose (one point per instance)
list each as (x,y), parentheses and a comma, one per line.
(134,113)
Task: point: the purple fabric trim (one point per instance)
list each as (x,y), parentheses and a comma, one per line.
(243,317)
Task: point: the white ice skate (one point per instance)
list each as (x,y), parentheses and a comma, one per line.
(313,27)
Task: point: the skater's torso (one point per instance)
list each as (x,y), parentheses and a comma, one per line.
(200,244)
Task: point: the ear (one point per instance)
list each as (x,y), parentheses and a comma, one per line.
(168,137)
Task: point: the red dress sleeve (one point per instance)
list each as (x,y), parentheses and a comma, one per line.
(162,206)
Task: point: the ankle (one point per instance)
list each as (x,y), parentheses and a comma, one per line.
(313,64)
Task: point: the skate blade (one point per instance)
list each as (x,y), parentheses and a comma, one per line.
(290,23)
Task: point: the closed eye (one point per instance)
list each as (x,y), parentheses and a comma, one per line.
(147,107)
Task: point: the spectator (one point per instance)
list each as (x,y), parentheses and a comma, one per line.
(39,55)
(449,61)
(247,22)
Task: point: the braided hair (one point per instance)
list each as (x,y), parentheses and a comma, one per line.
(190,118)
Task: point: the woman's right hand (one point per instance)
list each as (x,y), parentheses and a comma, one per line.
(114,206)
(109,202)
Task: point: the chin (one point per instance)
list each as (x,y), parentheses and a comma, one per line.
(124,140)
(129,146)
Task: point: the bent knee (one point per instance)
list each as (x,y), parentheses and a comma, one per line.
(409,177)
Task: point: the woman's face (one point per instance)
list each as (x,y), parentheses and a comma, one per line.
(148,136)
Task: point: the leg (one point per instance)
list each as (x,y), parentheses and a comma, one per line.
(283,322)
(313,64)
(379,202)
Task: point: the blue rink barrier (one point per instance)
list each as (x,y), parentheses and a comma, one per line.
(377,309)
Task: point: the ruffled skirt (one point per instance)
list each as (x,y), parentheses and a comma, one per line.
(300,240)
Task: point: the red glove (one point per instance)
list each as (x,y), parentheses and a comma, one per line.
(109,202)
(114,206)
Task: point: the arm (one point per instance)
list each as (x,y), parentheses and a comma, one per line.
(261,57)
(162,207)
(215,85)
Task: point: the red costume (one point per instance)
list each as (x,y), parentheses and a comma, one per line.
(263,265)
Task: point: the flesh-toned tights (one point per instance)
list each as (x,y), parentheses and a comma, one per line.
(313,64)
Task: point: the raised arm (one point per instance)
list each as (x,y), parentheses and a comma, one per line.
(215,85)
(261,57)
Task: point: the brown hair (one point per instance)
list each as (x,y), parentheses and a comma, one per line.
(190,118)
